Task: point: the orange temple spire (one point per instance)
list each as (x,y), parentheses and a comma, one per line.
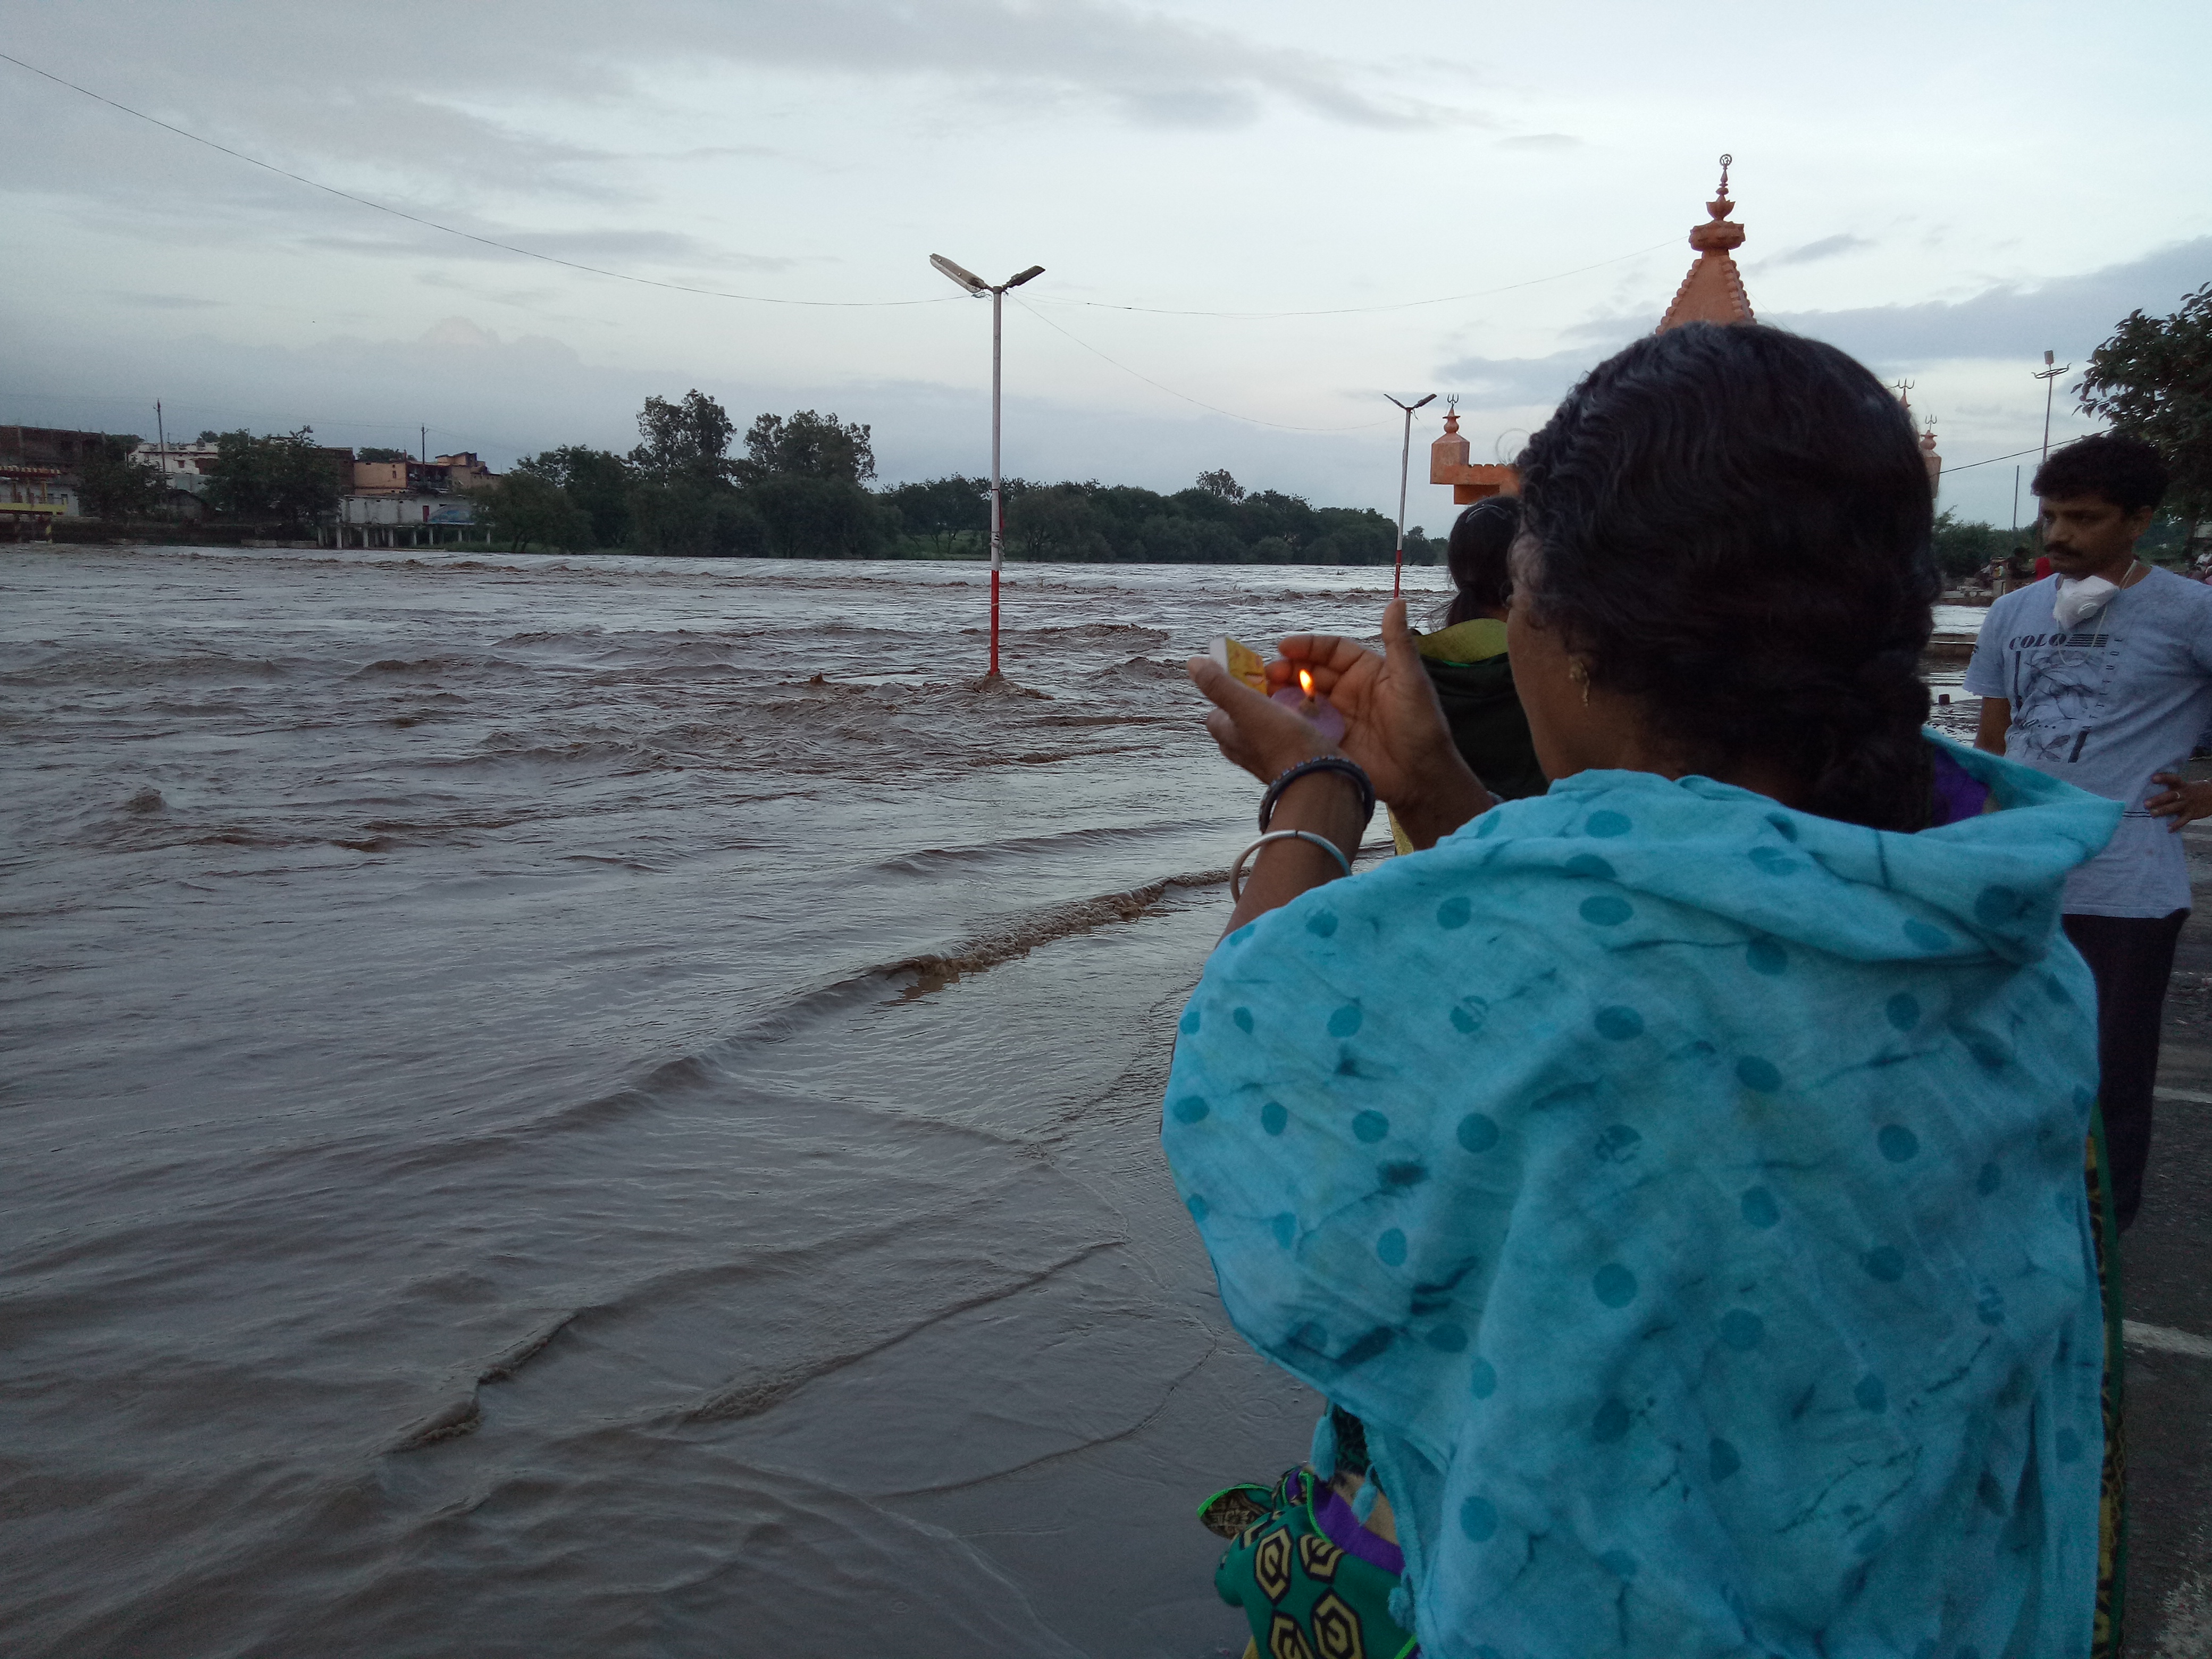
(1713,291)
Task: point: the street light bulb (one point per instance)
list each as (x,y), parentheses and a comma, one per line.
(1034,270)
(967,279)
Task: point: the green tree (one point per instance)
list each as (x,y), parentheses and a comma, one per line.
(814,518)
(1354,536)
(1058,522)
(689,518)
(807,446)
(524,507)
(688,439)
(803,476)
(373,454)
(1962,546)
(113,484)
(596,480)
(281,476)
(2153,380)
(943,511)
(1219,483)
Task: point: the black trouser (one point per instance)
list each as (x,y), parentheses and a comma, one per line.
(2131,958)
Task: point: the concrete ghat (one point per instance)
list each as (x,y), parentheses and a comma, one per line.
(2166,1272)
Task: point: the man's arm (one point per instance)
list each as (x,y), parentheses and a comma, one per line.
(1997,720)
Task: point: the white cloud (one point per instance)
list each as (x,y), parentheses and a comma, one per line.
(1218,154)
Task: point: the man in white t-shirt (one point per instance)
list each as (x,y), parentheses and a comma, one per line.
(2101,675)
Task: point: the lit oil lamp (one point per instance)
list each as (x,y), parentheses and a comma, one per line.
(1311,706)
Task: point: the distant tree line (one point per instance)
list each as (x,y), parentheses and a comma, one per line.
(1965,546)
(801,489)
(275,477)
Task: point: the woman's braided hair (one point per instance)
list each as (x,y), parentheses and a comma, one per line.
(1732,526)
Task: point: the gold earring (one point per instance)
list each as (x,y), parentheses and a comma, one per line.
(1578,672)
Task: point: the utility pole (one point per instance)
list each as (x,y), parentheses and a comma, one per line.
(160,443)
(1405,459)
(2049,376)
(976,286)
(422,442)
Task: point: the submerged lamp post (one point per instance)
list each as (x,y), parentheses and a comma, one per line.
(976,286)
(1405,457)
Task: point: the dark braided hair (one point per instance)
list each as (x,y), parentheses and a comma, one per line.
(1731,525)
(1480,539)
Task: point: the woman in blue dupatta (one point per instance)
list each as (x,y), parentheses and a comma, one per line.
(1677,1176)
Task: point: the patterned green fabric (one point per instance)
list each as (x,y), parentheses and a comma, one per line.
(1303,1596)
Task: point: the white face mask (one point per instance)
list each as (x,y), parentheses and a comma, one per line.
(2078,601)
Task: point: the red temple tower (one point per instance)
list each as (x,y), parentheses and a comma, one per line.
(1713,291)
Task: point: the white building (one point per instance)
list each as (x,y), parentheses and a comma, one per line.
(401,520)
(182,467)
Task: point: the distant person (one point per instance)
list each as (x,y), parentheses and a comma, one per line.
(2101,675)
(1676,1178)
(1465,658)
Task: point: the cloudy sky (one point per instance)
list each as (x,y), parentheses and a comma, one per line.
(1468,198)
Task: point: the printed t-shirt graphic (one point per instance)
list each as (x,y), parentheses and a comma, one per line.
(2060,685)
(2105,707)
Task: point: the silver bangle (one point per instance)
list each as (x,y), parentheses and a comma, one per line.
(1237,870)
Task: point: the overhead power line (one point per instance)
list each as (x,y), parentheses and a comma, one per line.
(1987,460)
(775,300)
(450,230)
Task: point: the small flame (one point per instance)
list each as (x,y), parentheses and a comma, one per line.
(1305,682)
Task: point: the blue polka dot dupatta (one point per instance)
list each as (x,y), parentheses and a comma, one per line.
(1686,1192)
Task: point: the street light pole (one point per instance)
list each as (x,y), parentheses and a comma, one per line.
(1404,460)
(976,286)
(2049,376)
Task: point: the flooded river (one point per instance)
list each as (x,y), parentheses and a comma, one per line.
(607,1107)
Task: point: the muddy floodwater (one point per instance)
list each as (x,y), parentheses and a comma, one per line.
(608,1107)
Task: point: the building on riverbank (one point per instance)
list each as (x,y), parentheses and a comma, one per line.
(459,472)
(32,498)
(410,503)
(395,520)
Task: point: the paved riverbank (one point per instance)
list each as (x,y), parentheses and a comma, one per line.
(2167,1262)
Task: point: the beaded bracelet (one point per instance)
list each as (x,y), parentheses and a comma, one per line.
(1320,763)
(1237,870)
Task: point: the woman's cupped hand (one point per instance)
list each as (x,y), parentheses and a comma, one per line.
(1395,728)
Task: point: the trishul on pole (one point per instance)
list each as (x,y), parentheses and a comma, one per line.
(1405,458)
(976,286)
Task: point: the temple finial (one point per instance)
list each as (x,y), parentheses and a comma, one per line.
(1713,291)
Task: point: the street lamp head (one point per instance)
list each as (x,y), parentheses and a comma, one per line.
(1410,408)
(2049,357)
(1016,282)
(967,279)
